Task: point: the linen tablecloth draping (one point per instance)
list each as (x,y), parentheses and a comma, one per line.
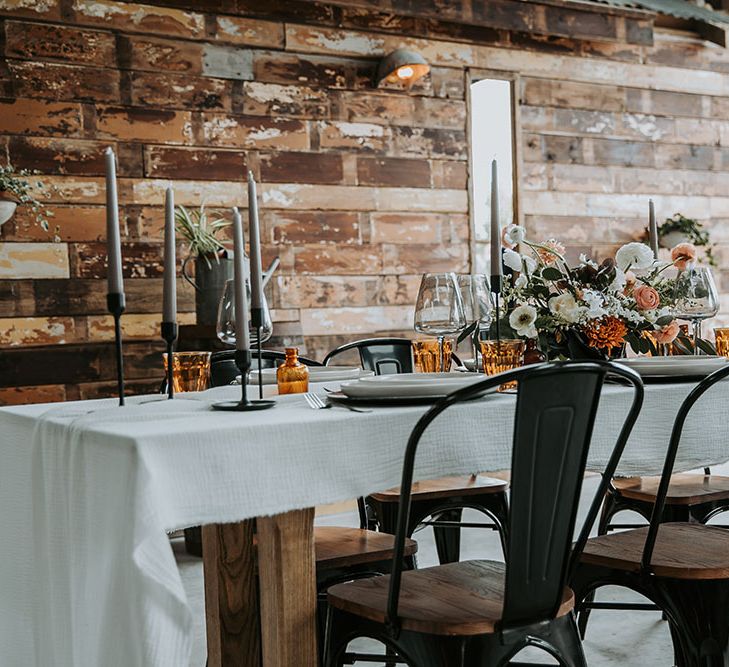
(88,489)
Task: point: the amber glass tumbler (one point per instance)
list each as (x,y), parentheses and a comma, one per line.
(190,371)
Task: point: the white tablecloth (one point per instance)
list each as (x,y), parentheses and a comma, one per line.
(88,489)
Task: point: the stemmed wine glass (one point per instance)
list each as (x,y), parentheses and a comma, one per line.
(439,308)
(697,298)
(226,317)
(477,306)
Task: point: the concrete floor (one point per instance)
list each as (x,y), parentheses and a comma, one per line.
(629,639)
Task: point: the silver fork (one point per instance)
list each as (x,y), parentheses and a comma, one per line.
(316,403)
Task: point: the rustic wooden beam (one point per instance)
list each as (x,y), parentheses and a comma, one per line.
(231,595)
(287,576)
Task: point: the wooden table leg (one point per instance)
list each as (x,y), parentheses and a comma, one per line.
(231,595)
(287,579)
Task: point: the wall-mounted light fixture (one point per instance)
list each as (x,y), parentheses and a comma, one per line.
(401,66)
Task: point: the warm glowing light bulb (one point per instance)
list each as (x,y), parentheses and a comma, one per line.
(405,72)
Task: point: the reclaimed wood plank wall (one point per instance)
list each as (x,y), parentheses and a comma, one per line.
(362,189)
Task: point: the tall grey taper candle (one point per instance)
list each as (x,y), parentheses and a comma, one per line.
(242,339)
(255,246)
(495,226)
(652,228)
(169,296)
(113,242)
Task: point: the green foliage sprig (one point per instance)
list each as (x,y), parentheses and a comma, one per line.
(16,184)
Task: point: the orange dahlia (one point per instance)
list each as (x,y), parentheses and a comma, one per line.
(606,333)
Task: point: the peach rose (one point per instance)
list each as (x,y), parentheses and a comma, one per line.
(646,298)
(666,334)
(683,255)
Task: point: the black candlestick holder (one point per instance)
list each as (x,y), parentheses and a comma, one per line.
(496,290)
(243,360)
(169,335)
(257,322)
(116,303)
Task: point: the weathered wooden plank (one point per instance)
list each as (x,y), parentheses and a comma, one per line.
(193,163)
(311,227)
(68,364)
(289,167)
(58,42)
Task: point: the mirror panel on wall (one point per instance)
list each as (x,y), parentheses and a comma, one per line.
(492,127)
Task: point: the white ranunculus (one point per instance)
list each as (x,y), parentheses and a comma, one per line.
(634,256)
(522,321)
(512,259)
(565,308)
(514,235)
(530,264)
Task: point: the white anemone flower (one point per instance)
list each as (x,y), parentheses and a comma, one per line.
(565,308)
(522,321)
(514,235)
(634,256)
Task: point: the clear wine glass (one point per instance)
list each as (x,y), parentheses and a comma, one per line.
(697,298)
(226,317)
(477,306)
(439,307)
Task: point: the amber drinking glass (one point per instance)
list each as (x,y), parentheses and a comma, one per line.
(502,355)
(722,341)
(292,376)
(427,355)
(190,371)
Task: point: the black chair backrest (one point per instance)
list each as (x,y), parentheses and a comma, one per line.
(696,393)
(223,370)
(382,355)
(555,413)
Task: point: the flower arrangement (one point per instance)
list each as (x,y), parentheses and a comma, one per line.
(15,187)
(592,309)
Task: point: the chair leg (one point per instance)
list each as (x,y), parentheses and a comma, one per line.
(448,539)
(699,615)
(565,639)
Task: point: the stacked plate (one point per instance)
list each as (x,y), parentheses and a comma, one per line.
(316,374)
(676,368)
(408,387)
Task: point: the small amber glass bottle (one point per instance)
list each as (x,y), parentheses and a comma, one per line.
(292,376)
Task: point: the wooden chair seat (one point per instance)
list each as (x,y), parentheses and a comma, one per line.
(339,546)
(463,598)
(446,487)
(682,551)
(684,489)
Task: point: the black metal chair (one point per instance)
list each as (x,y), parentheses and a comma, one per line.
(478,613)
(683,568)
(382,355)
(443,499)
(224,371)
